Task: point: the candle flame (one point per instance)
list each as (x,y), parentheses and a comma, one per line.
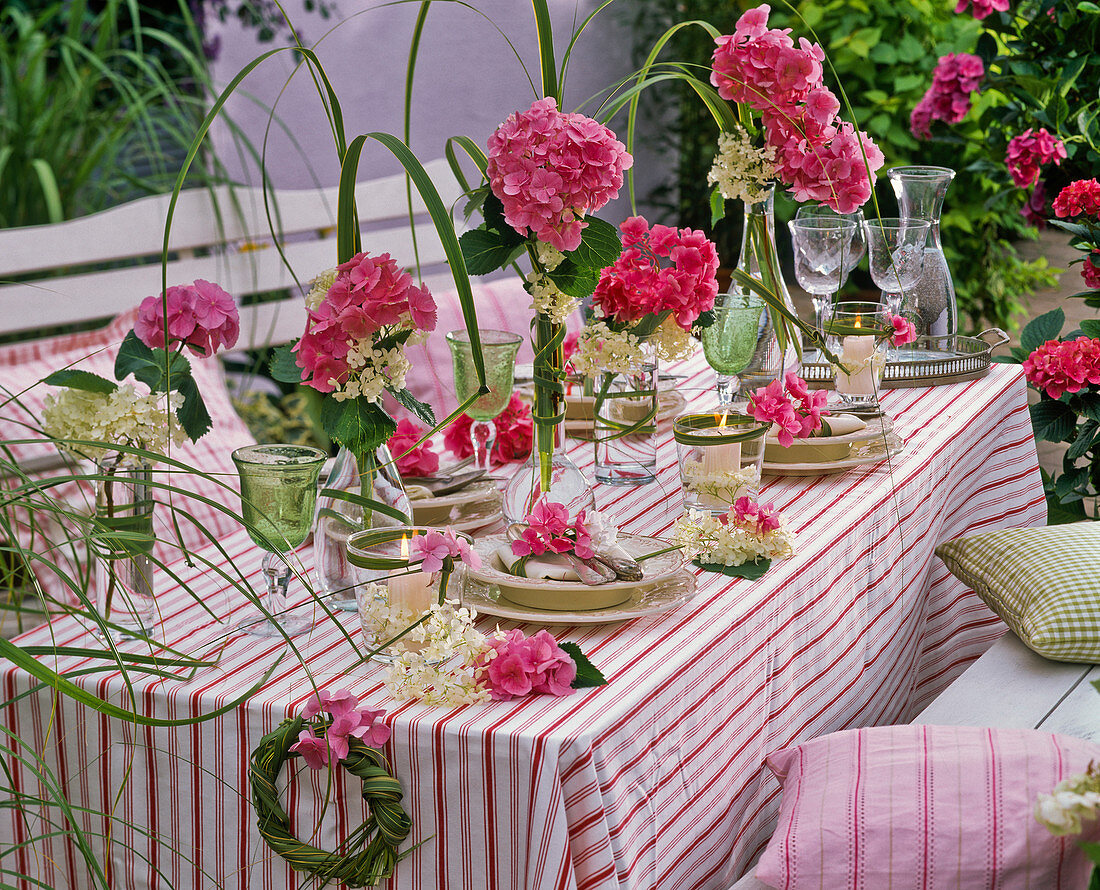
(722,424)
(404,547)
(858,325)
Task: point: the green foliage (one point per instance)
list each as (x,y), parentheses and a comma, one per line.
(750,571)
(882,54)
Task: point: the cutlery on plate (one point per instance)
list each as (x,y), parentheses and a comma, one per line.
(592,572)
(457,482)
(625,566)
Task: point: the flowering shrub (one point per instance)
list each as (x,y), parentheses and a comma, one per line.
(412,459)
(791,407)
(748,532)
(514,433)
(325,740)
(550,170)
(819,156)
(1028,152)
(1081,199)
(1066,373)
(982,8)
(201,316)
(957,75)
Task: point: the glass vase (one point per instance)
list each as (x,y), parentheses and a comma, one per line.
(625,425)
(920,192)
(775,352)
(720,457)
(122,541)
(372,476)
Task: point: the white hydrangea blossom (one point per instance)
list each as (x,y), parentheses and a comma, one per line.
(740,169)
(122,417)
(600,348)
(372,370)
(548,255)
(1072,800)
(719,489)
(319,287)
(671,342)
(547,299)
(710,540)
(436,660)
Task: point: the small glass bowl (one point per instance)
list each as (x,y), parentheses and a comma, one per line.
(720,457)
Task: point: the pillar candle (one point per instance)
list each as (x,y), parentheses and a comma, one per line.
(853,351)
(412,592)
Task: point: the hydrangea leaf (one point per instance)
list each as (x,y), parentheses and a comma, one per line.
(750,571)
(588,675)
(358,424)
(1039,330)
(283,366)
(74,378)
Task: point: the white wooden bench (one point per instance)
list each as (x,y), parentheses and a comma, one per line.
(1010,686)
(101,265)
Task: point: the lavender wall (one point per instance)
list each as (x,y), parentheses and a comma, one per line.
(468,80)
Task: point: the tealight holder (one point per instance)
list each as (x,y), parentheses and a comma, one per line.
(720,457)
(397,595)
(858,334)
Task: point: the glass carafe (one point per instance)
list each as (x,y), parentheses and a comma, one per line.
(920,192)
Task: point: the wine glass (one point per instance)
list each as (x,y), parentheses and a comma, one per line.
(499,350)
(278,495)
(896,250)
(823,248)
(728,343)
(824,211)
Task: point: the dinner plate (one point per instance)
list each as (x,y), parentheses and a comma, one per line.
(673,591)
(543,594)
(579,412)
(472,507)
(827,468)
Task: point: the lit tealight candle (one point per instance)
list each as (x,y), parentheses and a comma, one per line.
(857,350)
(411,592)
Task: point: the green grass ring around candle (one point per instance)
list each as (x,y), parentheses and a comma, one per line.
(361,543)
(685,429)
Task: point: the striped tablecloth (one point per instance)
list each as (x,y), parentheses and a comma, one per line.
(655,780)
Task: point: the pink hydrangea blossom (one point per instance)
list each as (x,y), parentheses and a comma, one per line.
(904,331)
(368,294)
(346,720)
(982,8)
(201,316)
(1034,209)
(412,460)
(791,406)
(1059,367)
(550,170)
(957,75)
(758,519)
(519,665)
(1090,271)
(638,284)
(547,527)
(434,546)
(1028,152)
(515,430)
(821,158)
(1079,197)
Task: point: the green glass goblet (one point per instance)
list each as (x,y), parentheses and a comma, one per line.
(729,343)
(499,349)
(278,495)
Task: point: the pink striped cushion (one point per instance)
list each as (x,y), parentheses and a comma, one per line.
(923,807)
(22,395)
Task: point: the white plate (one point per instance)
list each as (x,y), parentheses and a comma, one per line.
(477,504)
(655,570)
(674,591)
(580,425)
(826,468)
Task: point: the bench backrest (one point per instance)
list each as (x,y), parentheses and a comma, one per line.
(101,265)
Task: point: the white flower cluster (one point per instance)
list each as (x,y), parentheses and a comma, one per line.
(548,255)
(372,370)
(671,342)
(319,287)
(710,540)
(122,417)
(1077,798)
(740,169)
(436,660)
(719,489)
(601,349)
(547,299)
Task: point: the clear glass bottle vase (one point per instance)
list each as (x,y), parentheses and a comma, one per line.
(920,192)
(759,259)
(372,476)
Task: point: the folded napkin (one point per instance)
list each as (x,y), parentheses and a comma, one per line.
(551,566)
(839,425)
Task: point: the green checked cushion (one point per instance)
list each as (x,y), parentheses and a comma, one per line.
(1044,583)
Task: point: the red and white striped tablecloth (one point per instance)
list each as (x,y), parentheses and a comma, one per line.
(653,781)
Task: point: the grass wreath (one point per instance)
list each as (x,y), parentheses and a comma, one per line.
(370,853)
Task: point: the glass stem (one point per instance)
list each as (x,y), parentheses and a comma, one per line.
(727,385)
(277,572)
(483,434)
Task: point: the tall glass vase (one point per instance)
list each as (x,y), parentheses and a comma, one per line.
(920,192)
(775,352)
(372,476)
(122,541)
(548,471)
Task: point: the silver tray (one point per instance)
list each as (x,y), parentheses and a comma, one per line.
(928,362)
